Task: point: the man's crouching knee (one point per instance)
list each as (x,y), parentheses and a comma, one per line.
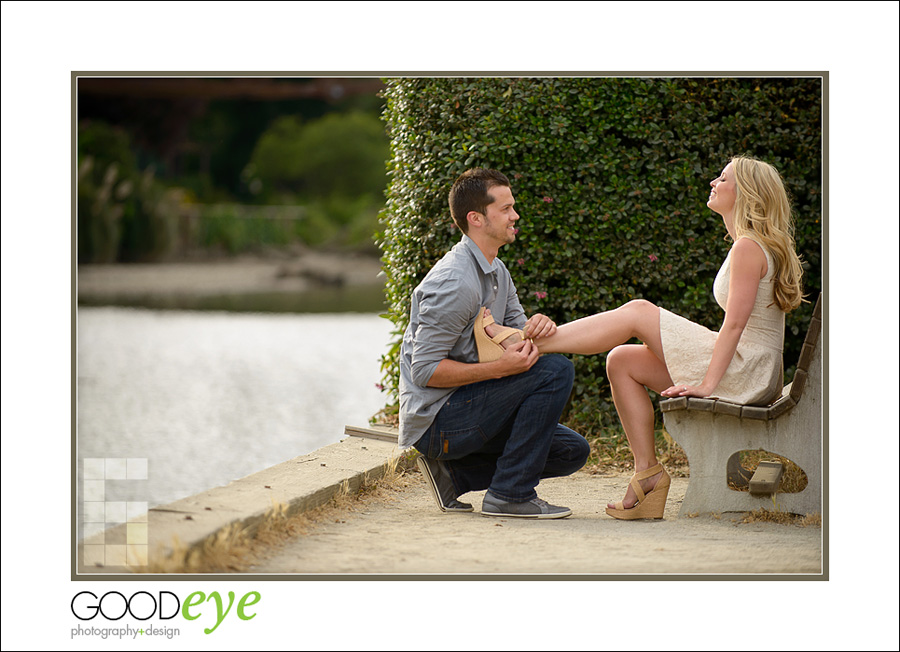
(558,365)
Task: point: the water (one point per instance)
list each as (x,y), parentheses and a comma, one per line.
(209,397)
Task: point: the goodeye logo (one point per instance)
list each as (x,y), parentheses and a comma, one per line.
(143,606)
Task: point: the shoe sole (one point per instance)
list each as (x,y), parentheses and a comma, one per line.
(625,515)
(432,485)
(506,515)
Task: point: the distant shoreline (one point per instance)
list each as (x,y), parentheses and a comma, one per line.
(274,279)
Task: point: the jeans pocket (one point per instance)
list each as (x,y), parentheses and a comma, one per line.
(460,425)
(454,444)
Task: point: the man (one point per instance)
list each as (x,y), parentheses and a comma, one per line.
(491,425)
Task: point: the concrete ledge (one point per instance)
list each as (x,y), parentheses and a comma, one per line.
(297,485)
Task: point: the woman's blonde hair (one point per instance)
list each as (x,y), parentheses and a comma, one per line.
(762,211)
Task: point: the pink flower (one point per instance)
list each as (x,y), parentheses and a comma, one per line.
(548,200)
(653,258)
(521,261)
(379,386)
(540,294)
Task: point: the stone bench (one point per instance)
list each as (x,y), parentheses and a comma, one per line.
(713,432)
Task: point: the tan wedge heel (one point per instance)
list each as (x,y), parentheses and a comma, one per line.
(489,348)
(651,505)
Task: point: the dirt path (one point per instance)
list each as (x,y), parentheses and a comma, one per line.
(406,534)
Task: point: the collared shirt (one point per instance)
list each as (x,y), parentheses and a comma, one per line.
(441,320)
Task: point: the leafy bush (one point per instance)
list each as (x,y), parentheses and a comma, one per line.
(611,178)
(237,228)
(340,154)
(334,165)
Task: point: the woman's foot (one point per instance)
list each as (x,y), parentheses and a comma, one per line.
(493,329)
(647,485)
(492,340)
(649,490)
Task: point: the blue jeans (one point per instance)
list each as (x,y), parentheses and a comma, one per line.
(503,434)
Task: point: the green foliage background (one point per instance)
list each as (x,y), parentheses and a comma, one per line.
(319,182)
(611,178)
(338,155)
(124,212)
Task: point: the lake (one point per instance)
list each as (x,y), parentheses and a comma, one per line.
(210,397)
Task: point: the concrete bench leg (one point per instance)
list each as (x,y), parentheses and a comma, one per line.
(710,440)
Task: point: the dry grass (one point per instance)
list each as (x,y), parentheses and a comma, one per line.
(811,520)
(783,518)
(219,553)
(610,453)
(766,516)
(236,549)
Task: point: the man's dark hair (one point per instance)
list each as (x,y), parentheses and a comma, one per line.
(470,192)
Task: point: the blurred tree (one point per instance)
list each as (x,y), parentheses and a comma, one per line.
(338,155)
(199,133)
(318,141)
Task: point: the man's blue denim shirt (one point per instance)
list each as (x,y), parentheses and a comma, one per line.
(441,319)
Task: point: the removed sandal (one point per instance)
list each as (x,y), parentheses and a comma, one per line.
(489,348)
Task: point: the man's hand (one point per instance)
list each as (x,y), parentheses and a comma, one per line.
(539,326)
(518,358)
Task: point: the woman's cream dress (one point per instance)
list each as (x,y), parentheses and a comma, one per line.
(755,375)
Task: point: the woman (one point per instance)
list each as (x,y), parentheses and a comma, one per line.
(758,283)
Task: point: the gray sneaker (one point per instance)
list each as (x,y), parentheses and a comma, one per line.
(534,508)
(438,480)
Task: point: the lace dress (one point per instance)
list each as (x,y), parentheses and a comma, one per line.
(755,375)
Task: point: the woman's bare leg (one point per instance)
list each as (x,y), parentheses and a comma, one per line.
(601,332)
(632,368)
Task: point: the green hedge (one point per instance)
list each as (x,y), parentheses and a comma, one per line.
(611,178)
